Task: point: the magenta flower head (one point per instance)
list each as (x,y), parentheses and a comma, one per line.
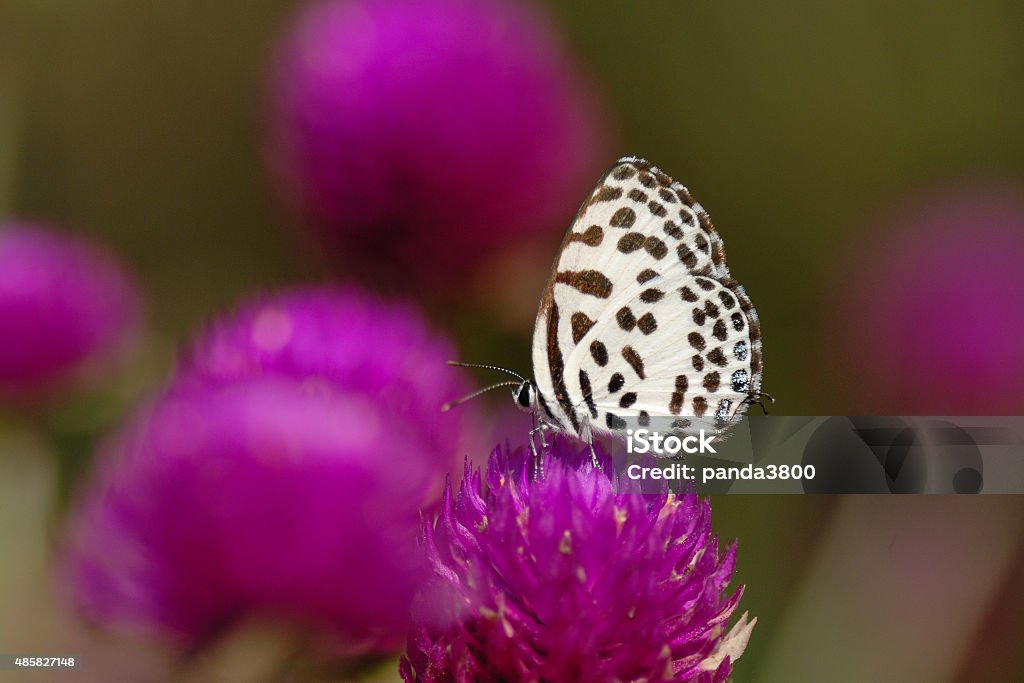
(559,579)
(415,135)
(64,304)
(280,476)
(932,317)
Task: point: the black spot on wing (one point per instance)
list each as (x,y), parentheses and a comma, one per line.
(655,247)
(624,172)
(638,196)
(647,323)
(581,324)
(607,193)
(592,237)
(688,217)
(652,295)
(630,242)
(685,255)
(646,275)
(740,382)
(635,361)
(624,316)
(712,380)
(623,218)
(700,406)
(675,405)
(717,357)
(591,282)
(556,363)
(588,393)
(614,422)
(704,283)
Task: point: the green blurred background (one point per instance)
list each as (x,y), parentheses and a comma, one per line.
(139,123)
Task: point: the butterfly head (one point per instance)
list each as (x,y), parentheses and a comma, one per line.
(525,395)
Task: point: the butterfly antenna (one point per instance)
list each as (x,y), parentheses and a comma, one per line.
(448,406)
(486,367)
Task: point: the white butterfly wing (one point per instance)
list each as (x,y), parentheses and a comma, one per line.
(638,233)
(699,355)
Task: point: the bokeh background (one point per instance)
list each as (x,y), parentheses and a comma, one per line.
(863,161)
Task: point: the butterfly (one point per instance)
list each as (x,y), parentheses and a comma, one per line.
(640,317)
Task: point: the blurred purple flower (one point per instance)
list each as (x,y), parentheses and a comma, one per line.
(932,319)
(342,340)
(416,135)
(559,579)
(64,302)
(280,475)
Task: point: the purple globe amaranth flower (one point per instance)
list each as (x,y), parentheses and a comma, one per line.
(932,320)
(415,135)
(344,340)
(64,302)
(559,579)
(280,475)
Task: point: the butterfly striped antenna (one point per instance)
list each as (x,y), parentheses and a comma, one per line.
(508,383)
(458,364)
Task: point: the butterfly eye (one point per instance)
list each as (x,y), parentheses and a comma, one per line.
(524,396)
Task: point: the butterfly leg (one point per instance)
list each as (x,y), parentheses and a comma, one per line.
(538,457)
(589,437)
(593,454)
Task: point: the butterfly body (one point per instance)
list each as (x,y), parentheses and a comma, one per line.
(641,317)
